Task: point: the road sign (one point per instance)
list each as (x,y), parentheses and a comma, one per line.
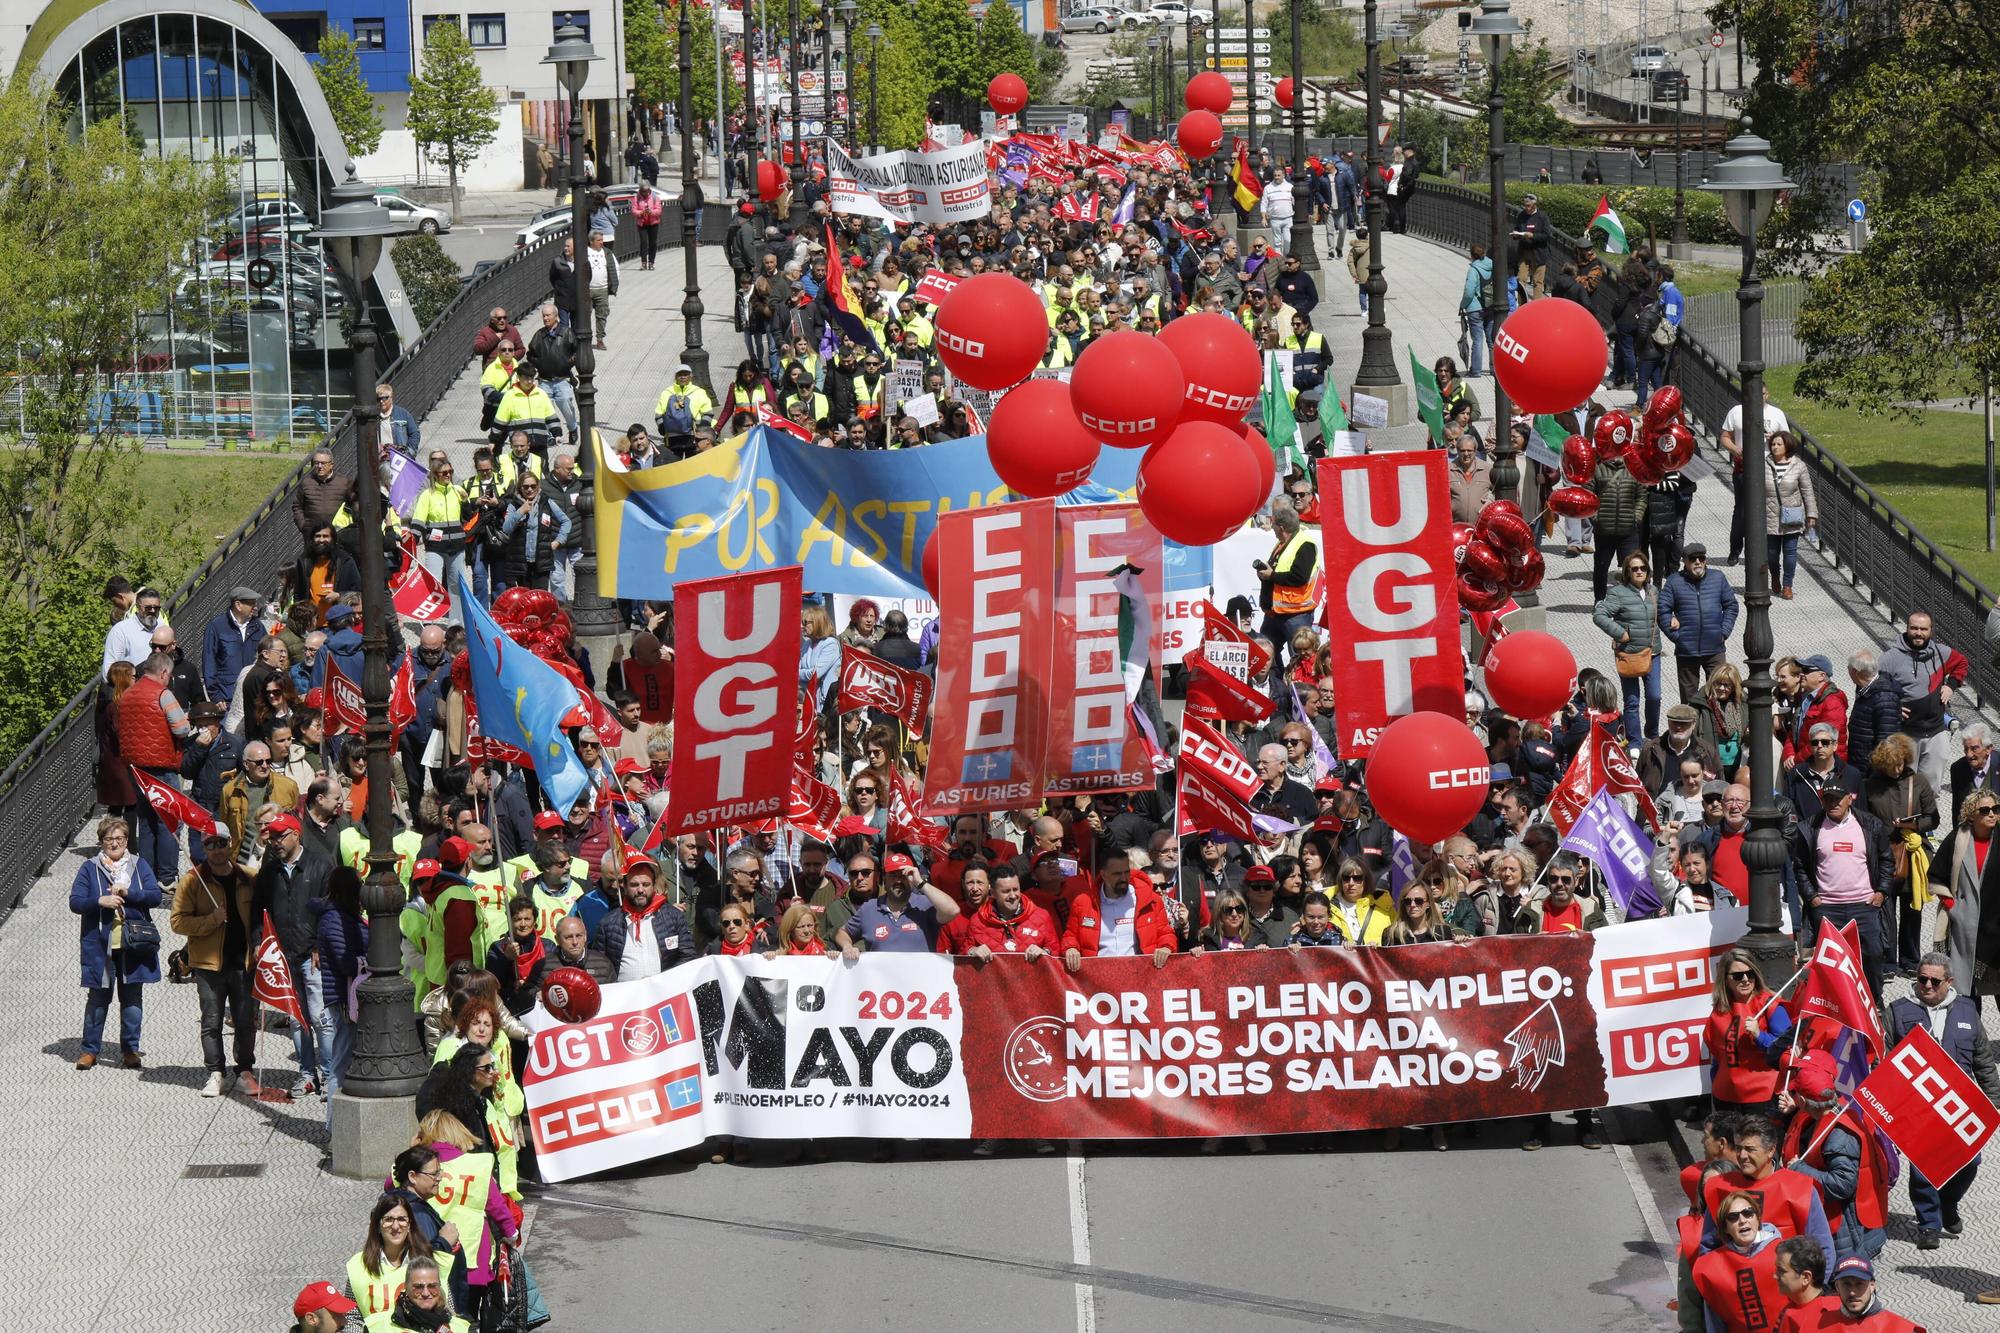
(1399,30)
(1856,210)
(1382,129)
(1237,48)
(1233,62)
(1715,39)
(1238,33)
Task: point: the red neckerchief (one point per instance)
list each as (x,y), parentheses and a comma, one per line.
(749,945)
(813,950)
(636,917)
(524,965)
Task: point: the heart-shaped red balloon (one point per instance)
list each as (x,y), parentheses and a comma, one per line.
(1647,465)
(1461,533)
(1664,406)
(1482,562)
(1579,460)
(1505,532)
(1573,501)
(1613,433)
(1480,594)
(1676,445)
(1525,570)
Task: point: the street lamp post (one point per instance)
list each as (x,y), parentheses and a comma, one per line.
(1189,35)
(846,8)
(593,616)
(692,352)
(1377,373)
(1302,248)
(874,54)
(1749,183)
(388,1058)
(751,120)
(1705,53)
(798,156)
(1153,82)
(1496,28)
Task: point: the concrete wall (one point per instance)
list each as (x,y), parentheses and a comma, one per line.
(498,166)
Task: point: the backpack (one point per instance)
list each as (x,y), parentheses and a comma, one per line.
(678,419)
(1665,332)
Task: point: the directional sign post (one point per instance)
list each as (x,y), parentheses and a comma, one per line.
(1857,224)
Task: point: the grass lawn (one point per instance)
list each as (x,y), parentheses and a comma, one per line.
(195,501)
(1934,472)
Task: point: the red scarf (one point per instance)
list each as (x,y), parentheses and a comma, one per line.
(749,945)
(812,950)
(524,965)
(636,917)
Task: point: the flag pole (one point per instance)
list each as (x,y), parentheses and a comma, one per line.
(1779,993)
(1826,1129)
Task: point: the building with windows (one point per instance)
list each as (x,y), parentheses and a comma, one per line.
(252,344)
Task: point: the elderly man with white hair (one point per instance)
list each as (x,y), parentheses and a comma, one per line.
(1979,768)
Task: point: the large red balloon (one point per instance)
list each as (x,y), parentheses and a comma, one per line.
(1220,362)
(572,995)
(1573,501)
(1199,134)
(1199,485)
(1127,387)
(1282,94)
(1579,460)
(1007,93)
(929,565)
(1260,448)
(992,330)
(1550,355)
(1209,91)
(1427,776)
(770,181)
(1035,442)
(1530,674)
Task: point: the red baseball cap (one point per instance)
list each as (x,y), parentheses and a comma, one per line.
(454,851)
(548,819)
(636,861)
(321,1296)
(1260,875)
(896,861)
(626,768)
(1814,1074)
(424,869)
(286,824)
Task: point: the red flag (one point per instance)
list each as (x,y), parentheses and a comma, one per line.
(1217,694)
(812,806)
(273,983)
(1205,750)
(345,709)
(1216,628)
(866,681)
(176,809)
(1929,1106)
(1079,207)
(1600,764)
(1208,807)
(906,821)
(402,699)
(766,417)
(416,592)
(1836,988)
(934,286)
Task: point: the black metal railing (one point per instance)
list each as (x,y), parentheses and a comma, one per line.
(1869,541)
(47,791)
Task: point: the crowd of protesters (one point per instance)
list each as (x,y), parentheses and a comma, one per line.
(1888,803)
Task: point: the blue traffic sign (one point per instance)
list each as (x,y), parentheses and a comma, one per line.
(1856,210)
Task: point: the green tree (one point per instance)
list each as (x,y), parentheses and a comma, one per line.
(948,45)
(1906,93)
(453,114)
(430,278)
(354,112)
(1004,49)
(701,62)
(649,52)
(904,80)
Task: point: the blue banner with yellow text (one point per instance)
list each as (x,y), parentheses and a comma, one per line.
(856,520)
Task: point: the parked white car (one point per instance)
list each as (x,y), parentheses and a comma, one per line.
(548,222)
(414,217)
(1649,58)
(1176,13)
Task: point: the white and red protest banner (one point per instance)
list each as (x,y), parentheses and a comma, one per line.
(934,286)
(176,809)
(1929,1105)
(1204,750)
(1271,1042)
(272,984)
(1392,591)
(736,698)
(1108,588)
(344,708)
(1835,987)
(866,681)
(989,733)
(415,591)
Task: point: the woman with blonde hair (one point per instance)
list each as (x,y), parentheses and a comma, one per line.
(819,656)
(1906,803)
(1502,899)
(1745,1030)
(1719,718)
(798,934)
(1361,912)
(467,1171)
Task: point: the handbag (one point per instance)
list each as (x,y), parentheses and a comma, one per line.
(1791,516)
(1464,339)
(1635,664)
(140,934)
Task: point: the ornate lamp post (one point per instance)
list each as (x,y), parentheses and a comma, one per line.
(388,1057)
(1302,249)
(693,352)
(572,55)
(792,39)
(874,58)
(1749,183)
(1496,29)
(846,10)
(1377,374)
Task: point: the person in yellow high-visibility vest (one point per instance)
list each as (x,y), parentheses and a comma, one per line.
(421,1308)
(1290,582)
(377,1271)
(476,1022)
(550,830)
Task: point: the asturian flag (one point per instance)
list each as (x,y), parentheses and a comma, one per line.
(522,702)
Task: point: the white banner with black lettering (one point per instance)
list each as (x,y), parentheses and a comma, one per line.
(945,186)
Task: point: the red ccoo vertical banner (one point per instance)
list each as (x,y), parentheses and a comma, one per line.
(736,698)
(990,720)
(1392,597)
(1109,589)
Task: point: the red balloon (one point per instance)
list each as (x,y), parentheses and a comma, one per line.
(1461,534)
(1482,562)
(1579,460)
(1676,445)
(1007,93)
(1219,359)
(1209,91)
(572,995)
(1664,406)
(770,181)
(1525,570)
(1427,776)
(1647,465)
(1283,93)
(1573,501)
(1035,442)
(1199,135)
(1481,594)
(1267,462)
(1550,355)
(928,567)
(992,330)
(1504,529)
(1127,387)
(1613,434)
(1530,674)
(1199,485)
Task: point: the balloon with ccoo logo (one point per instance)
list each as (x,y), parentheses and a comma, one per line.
(1549,355)
(1427,776)
(992,331)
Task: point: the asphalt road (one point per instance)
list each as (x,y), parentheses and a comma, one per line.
(1153,1237)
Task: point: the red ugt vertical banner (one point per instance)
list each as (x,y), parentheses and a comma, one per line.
(1109,590)
(990,720)
(736,698)
(1392,594)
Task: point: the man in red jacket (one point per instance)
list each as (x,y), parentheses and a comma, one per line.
(1007,923)
(1120,920)
(1853,1307)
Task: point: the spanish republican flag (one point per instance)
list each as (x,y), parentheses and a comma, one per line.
(1248,188)
(842,309)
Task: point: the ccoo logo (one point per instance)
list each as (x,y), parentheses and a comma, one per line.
(958,342)
(1458,779)
(1107,426)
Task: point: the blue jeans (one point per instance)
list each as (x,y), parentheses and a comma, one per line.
(1364,294)
(1784,546)
(1621,356)
(1650,376)
(562,578)
(1868,925)
(1938,1204)
(1481,340)
(448,568)
(482,575)
(131,1014)
(152,841)
(341,1049)
(1630,685)
(312,1040)
(563,394)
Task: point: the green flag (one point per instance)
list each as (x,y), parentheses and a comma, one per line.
(1549,432)
(1332,416)
(1281,424)
(1430,402)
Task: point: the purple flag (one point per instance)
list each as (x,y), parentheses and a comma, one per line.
(1321,754)
(1126,203)
(406,480)
(1620,850)
(1402,866)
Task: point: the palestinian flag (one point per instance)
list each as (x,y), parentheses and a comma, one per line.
(1247,188)
(1281,424)
(1605,219)
(1135,628)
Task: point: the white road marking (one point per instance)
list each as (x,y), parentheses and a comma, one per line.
(1079,1241)
(1664,1243)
